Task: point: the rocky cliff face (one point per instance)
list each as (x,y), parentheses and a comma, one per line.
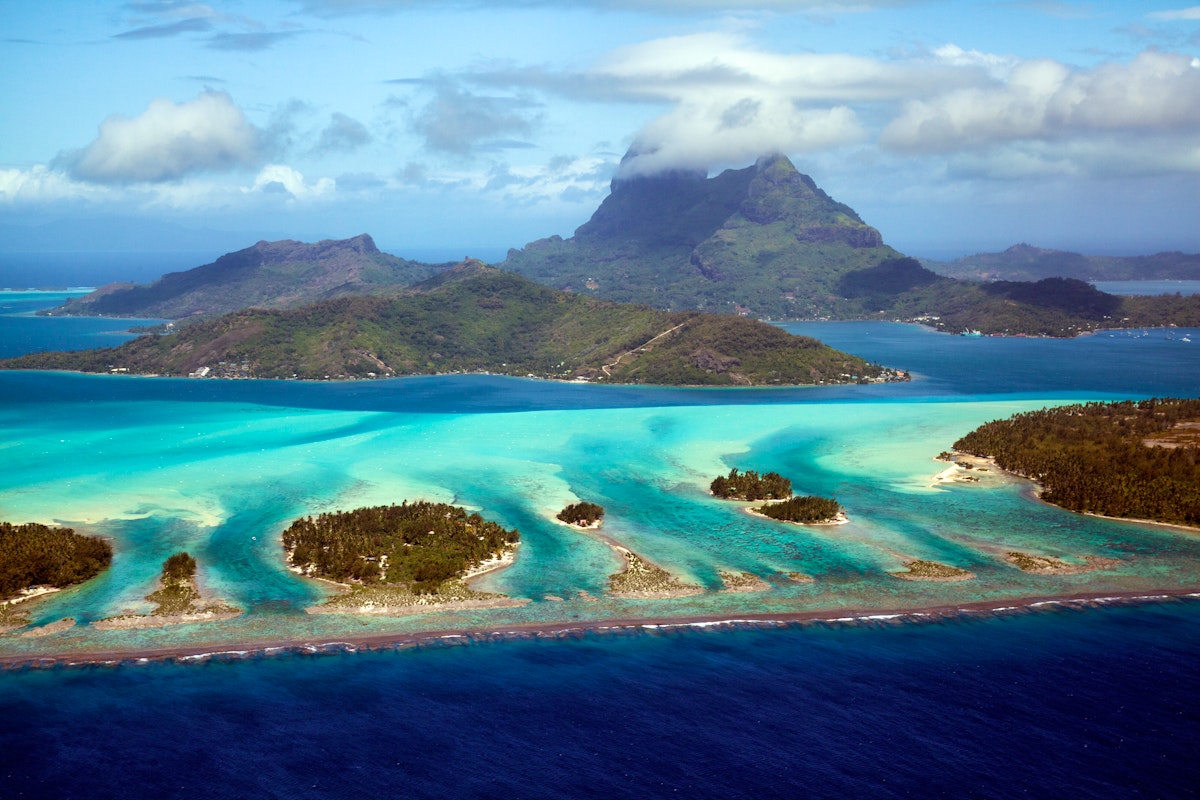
(763,240)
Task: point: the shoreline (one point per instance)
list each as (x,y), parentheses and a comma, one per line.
(563,629)
(955,474)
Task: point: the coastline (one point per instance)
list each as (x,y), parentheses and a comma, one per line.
(629,626)
(957,474)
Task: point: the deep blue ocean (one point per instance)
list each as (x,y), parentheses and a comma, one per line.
(1095,702)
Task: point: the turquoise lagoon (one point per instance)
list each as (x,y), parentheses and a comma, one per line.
(220,468)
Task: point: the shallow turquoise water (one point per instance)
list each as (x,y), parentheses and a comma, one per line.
(220,468)
(979,705)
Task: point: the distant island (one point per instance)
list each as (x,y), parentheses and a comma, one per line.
(1133,459)
(410,556)
(749,485)
(473,319)
(37,559)
(285,274)
(1024,262)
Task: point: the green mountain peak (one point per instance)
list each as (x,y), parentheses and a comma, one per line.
(763,240)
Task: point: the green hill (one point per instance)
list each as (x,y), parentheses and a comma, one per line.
(283,274)
(475,318)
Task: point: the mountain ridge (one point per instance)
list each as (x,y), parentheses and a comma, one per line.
(278,274)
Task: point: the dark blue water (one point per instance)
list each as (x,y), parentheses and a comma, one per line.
(1135,288)
(1098,703)
(1095,704)
(21,331)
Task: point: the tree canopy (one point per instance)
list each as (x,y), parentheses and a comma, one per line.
(1134,459)
(419,544)
(749,485)
(38,555)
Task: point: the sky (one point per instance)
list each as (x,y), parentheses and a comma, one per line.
(952,126)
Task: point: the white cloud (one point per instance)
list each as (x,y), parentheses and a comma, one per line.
(1192,13)
(458,121)
(169,141)
(40,184)
(1155,93)
(282,179)
(682,67)
(570,180)
(698,135)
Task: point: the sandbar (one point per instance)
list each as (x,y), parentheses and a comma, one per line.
(643,579)
(1052,565)
(742,583)
(45,630)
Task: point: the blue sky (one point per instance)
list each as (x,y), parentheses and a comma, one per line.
(953,127)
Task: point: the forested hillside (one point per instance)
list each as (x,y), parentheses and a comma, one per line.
(474,318)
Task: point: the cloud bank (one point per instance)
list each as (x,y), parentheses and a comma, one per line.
(169,141)
(727,102)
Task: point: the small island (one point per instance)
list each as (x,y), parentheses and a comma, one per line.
(408,557)
(1132,460)
(932,571)
(584,515)
(37,559)
(177,600)
(750,485)
(1052,565)
(741,582)
(641,579)
(806,510)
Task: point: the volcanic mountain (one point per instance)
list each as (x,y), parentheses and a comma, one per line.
(764,241)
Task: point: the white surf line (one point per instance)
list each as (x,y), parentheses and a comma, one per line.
(639,347)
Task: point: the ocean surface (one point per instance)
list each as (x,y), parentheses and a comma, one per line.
(1148,287)
(1093,699)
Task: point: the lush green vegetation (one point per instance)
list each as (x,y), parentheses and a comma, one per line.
(477,319)
(749,485)
(179,567)
(178,592)
(582,514)
(38,555)
(420,545)
(1131,459)
(267,275)
(808,508)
